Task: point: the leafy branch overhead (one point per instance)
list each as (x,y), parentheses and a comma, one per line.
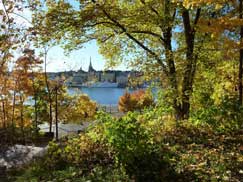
(167,34)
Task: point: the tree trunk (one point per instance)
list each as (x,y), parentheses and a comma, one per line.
(48,91)
(50,115)
(3,103)
(4,114)
(22,117)
(190,68)
(56,114)
(241,55)
(36,115)
(172,76)
(13,112)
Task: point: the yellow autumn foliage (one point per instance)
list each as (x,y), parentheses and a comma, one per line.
(77,108)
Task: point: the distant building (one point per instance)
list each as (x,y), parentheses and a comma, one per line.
(91,69)
(108,76)
(83,78)
(79,77)
(52,75)
(122,80)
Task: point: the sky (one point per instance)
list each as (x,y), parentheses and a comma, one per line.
(58,61)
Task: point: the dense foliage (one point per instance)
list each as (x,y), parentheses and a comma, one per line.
(143,147)
(167,40)
(192,49)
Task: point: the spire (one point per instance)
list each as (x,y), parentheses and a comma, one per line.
(91,69)
(90,63)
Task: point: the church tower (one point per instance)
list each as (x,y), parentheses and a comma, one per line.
(91,69)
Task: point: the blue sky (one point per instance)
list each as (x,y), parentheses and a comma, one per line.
(58,61)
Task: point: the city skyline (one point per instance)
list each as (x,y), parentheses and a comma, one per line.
(76,59)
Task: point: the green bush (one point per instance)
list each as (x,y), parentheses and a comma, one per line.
(74,174)
(201,154)
(224,117)
(134,147)
(77,159)
(143,147)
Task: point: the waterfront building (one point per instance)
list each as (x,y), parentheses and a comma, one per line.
(108,76)
(79,77)
(122,80)
(88,78)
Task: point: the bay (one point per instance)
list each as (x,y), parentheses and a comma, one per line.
(104,96)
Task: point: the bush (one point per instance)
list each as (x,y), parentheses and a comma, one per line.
(73,174)
(134,147)
(224,117)
(137,100)
(201,154)
(143,148)
(77,159)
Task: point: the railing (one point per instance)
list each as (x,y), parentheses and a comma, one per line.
(111,108)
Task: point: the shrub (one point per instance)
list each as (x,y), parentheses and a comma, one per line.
(134,147)
(227,116)
(143,147)
(135,101)
(76,108)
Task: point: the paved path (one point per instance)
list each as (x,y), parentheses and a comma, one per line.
(65,129)
(18,155)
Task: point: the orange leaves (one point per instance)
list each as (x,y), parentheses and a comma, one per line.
(219,25)
(135,101)
(26,72)
(217,4)
(126,103)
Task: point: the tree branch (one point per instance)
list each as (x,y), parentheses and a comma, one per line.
(151,8)
(21,16)
(6,13)
(160,61)
(107,38)
(197,16)
(148,33)
(99,23)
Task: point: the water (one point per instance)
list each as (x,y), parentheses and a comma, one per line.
(104,96)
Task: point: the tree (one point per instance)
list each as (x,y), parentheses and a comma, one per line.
(26,75)
(226,26)
(241,54)
(165,37)
(136,100)
(126,103)
(141,29)
(76,108)
(13,38)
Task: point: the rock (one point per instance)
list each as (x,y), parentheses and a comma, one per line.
(17,155)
